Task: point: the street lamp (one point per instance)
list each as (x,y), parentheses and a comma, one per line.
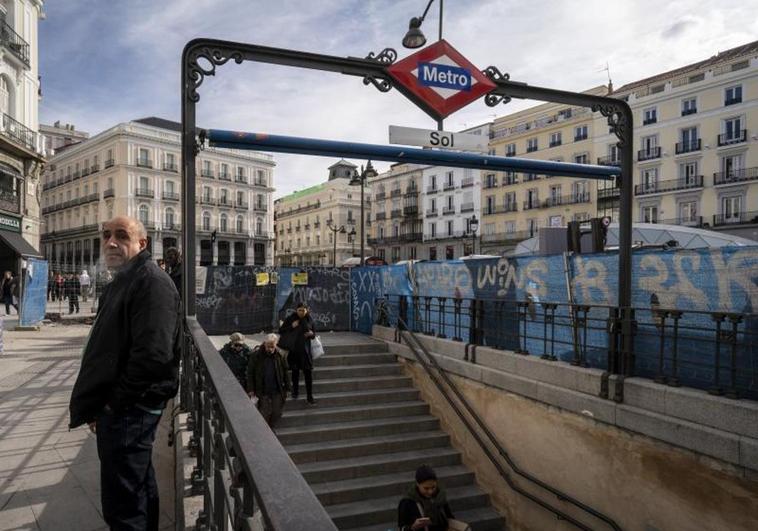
(360,179)
(351,239)
(415,37)
(473,225)
(335,230)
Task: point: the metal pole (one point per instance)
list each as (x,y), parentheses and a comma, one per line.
(440,121)
(188,185)
(334,253)
(363,218)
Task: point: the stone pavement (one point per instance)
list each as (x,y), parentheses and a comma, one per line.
(49,476)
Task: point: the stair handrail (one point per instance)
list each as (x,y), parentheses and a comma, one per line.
(405,330)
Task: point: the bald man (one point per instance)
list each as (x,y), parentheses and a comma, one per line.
(129,371)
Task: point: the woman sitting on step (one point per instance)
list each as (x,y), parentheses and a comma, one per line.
(425,505)
(296,333)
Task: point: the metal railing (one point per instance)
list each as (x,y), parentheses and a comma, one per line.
(698,349)
(13,41)
(737,218)
(649,154)
(735,176)
(19,132)
(670,185)
(481,433)
(241,467)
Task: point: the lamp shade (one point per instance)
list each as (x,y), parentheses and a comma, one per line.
(415,37)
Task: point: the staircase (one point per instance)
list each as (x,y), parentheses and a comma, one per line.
(359,447)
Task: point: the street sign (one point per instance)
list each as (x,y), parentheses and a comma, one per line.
(441,77)
(412,136)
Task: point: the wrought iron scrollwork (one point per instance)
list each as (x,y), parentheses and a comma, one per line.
(385,57)
(496,75)
(382,84)
(196,72)
(616,120)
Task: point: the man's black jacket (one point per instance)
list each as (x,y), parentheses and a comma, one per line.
(132,355)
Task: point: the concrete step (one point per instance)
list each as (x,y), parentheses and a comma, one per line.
(347,398)
(384,509)
(339,449)
(341,360)
(321,415)
(356,371)
(480,519)
(356,384)
(368,347)
(367,488)
(397,462)
(356,429)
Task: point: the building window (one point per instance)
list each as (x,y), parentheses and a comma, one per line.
(489,207)
(688,213)
(223,223)
(509,201)
(450,228)
(531,145)
(206,221)
(259,227)
(650,179)
(449,252)
(240,224)
(689,140)
(510,178)
(733,95)
(169,217)
(650,214)
(144,214)
(580,133)
(731,209)
(732,130)
(555,139)
(733,165)
(432,253)
(688,173)
(689,106)
(649,116)
(240,173)
(510,150)
(582,158)
(433,230)
(143,157)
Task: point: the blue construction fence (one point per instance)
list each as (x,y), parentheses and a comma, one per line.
(697,282)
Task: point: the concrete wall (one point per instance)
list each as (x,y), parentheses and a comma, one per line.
(666,459)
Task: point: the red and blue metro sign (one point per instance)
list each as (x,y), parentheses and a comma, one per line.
(441,78)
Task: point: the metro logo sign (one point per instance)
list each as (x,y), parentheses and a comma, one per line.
(440,80)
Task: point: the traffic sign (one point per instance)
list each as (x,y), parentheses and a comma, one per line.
(441,77)
(412,136)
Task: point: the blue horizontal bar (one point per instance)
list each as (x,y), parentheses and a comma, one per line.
(333,148)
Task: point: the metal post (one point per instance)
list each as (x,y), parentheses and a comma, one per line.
(363,219)
(334,253)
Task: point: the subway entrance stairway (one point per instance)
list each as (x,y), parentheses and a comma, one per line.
(359,447)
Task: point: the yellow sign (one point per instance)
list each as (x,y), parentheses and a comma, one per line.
(261,279)
(300,279)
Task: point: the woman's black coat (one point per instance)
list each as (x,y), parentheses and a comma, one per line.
(294,340)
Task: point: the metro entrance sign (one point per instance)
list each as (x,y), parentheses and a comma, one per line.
(442,78)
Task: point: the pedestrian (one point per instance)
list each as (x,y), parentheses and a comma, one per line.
(296,332)
(72,287)
(236,354)
(425,504)
(59,280)
(51,286)
(84,282)
(268,379)
(129,370)
(174,267)
(8,287)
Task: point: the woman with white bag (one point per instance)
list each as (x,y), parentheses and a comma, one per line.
(296,332)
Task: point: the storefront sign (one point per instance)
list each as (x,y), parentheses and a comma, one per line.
(10,223)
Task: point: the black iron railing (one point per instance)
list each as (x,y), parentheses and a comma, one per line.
(13,41)
(670,185)
(735,176)
(19,133)
(240,468)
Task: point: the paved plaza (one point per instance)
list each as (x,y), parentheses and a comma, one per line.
(49,476)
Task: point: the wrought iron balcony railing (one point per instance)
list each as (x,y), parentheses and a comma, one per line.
(736,218)
(144,192)
(671,185)
(170,196)
(13,42)
(737,137)
(735,176)
(649,154)
(19,133)
(688,147)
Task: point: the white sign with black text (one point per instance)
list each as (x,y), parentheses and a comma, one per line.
(413,136)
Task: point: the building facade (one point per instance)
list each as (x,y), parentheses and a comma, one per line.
(515,205)
(396,217)
(320,225)
(696,145)
(60,135)
(133,169)
(21,146)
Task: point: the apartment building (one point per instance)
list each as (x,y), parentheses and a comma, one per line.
(695,134)
(133,169)
(320,225)
(21,146)
(515,205)
(397,218)
(60,135)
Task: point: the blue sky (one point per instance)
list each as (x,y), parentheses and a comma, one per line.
(103,62)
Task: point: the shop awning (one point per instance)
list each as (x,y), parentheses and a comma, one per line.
(15,241)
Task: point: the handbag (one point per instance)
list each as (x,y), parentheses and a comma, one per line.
(457,525)
(317,349)
(286,341)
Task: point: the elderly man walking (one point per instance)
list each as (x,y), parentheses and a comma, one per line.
(268,379)
(129,371)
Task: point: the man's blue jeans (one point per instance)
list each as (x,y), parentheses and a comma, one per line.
(129,492)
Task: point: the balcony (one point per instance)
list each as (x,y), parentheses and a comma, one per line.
(208,174)
(397,192)
(608,161)
(380,196)
(531,205)
(13,42)
(467,182)
(410,211)
(85,172)
(172,227)
(649,154)
(510,153)
(257,182)
(144,192)
(170,166)
(573,199)
(224,177)
(411,192)
(19,133)
(170,196)
(207,200)
(531,149)
(728,139)
(430,213)
(449,186)
(94,168)
(490,183)
(735,176)
(687,112)
(649,121)
(695,181)
(76,175)
(688,147)
(297,228)
(432,189)
(411,236)
(240,179)
(90,198)
(448,210)
(109,163)
(144,163)
(380,216)
(10,201)
(110,192)
(467,207)
(396,213)
(500,209)
(732,101)
(611,192)
(316,224)
(241,205)
(294,211)
(556,143)
(579,138)
(224,202)
(740,218)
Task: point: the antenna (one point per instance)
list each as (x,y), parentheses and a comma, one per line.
(607,70)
